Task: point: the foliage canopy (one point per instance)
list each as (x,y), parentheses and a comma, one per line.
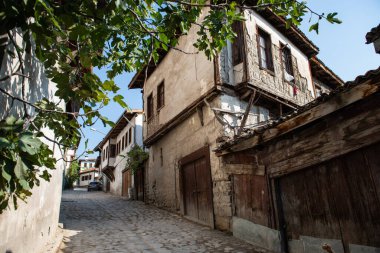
(70,37)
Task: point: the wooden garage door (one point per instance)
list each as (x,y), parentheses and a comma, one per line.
(126,182)
(338,199)
(196,187)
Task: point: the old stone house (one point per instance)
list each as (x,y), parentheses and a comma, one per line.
(312,178)
(113,149)
(192,103)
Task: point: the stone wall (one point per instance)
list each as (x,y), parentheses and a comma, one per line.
(272,82)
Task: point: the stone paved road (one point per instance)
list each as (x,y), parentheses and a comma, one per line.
(99,222)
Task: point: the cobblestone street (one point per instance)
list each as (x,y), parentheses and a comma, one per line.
(99,222)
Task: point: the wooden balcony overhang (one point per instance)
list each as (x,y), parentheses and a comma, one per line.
(244,89)
(362,87)
(109,172)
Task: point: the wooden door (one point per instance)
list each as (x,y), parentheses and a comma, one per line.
(189,192)
(197,187)
(251,200)
(139,184)
(338,199)
(126,182)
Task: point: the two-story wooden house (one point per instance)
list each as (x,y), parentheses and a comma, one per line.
(113,149)
(191,103)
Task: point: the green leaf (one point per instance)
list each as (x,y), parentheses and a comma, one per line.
(29,143)
(5,175)
(20,169)
(106,121)
(314,27)
(119,99)
(45,175)
(4,142)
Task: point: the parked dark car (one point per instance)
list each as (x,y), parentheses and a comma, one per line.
(94,186)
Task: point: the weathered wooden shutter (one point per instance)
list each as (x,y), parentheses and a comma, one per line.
(238,44)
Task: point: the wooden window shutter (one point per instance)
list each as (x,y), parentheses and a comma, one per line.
(150,106)
(160,95)
(238,44)
(269,52)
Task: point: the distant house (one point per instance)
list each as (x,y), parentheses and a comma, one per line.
(88,172)
(113,149)
(192,104)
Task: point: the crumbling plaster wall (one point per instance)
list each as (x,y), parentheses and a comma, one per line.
(186,75)
(34,223)
(324,88)
(234,109)
(162,177)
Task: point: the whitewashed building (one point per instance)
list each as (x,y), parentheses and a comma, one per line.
(88,172)
(35,222)
(126,133)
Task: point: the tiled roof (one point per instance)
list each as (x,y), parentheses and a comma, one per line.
(373,35)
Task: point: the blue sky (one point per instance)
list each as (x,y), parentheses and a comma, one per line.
(342,48)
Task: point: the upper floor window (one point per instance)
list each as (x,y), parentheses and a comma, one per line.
(149,105)
(265,50)
(122,143)
(130,135)
(160,95)
(286,56)
(238,44)
(112,150)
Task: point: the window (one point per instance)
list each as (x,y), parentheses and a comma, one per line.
(130,135)
(286,56)
(265,50)
(149,110)
(238,44)
(82,178)
(113,150)
(123,143)
(160,95)
(126,139)
(89,177)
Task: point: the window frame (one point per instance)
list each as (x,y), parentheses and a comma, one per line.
(160,96)
(149,107)
(238,45)
(261,33)
(284,63)
(130,135)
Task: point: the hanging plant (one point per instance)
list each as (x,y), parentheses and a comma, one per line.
(136,158)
